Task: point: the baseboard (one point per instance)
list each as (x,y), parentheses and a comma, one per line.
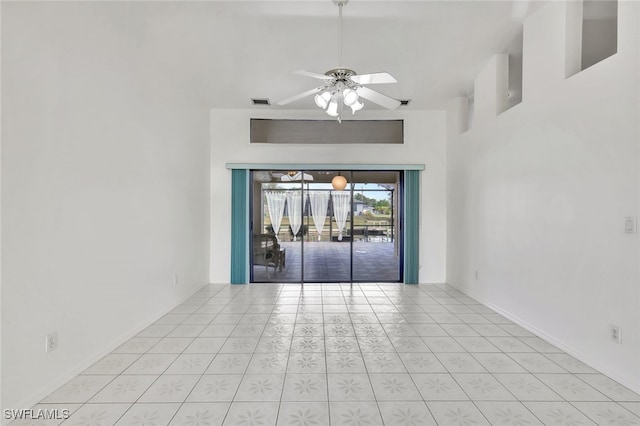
(66,377)
(581,356)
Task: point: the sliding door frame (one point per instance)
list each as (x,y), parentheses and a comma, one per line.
(240,211)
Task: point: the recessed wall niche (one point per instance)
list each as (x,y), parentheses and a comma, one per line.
(599,30)
(470,111)
(514,50)
(592,33)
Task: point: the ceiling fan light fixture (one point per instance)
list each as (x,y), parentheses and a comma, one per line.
(357,106)
(322,99)
(349,96)
(332,109)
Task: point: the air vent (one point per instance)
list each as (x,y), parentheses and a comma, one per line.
(260,101)
(404,102)
(326,131)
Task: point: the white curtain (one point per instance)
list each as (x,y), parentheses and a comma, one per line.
(319,203)
(341,207)
(275,205)
(294,209)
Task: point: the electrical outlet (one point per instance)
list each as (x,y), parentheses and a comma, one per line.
(51,343)
(477,275)
(630,226)
(614,333)
(175,279)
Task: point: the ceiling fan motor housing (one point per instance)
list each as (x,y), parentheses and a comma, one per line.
(340,74)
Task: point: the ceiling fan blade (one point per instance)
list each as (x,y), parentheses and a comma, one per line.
(377,98)
(375,78)
(312,74)
(300,96)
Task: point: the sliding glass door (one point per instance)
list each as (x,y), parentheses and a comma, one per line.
(376,248)
(325,226)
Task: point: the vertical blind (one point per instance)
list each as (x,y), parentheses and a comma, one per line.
(239,226)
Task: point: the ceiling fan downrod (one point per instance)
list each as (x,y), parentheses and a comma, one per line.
(340,4)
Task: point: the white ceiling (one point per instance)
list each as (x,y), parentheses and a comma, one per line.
(433,48)
(223,53)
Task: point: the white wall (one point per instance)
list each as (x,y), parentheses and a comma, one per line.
(105,173)
(425,137)
(1,315)
(537,198)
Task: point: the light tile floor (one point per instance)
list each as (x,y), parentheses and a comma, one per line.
(362,354)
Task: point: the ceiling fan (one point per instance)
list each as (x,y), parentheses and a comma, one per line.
(344,87)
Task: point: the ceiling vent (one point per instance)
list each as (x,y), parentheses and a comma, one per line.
(260,101)
(404,102)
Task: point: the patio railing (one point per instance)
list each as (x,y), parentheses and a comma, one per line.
(377,231)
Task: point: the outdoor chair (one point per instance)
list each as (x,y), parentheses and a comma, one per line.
(267,252)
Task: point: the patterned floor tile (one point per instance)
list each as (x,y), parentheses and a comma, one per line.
(507,413)
(252,414)
(307,362)
(205,345)
(570,364)
(260,387)
(171,345)
(97,414)
(305,387)
(124,388)
(215,388)
(148,414)
(439,387)
(268,363)
(609,387)
(350,387)
(80,389)
(345,363)
(383,362)
(198,414)
(558,413)
(406,413)
(460,363)
(498,363)
(536,363)
(229,364)
(303,414)
(571,388)
(190,364)
(170,388)
(483,387)
(527,387)
(355,414)
(456,413)
(137,345)
(394,387)
(443,344)
(339,354)
(608,413)
(112,364)
(634,407)
(341,344)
